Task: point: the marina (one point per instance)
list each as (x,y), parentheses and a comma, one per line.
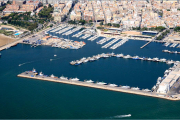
(128,73)
(131,71)
(99,85)
(55,42)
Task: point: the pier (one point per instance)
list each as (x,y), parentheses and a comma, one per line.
(52,78)
(108,55)
(174,52)
(146,44)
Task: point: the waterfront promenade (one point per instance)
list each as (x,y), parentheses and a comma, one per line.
(31,75)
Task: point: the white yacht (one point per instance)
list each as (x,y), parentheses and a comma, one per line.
(86,60)
(63,78)
(149,59)
(113,85)
(34,70)
(119,55)
(83,58)
(52,76)
(156,59)
(74,79)
(147,90)
(165,50)
(136,57)
(40,74)
(134,88)
(89,81)
(163,60)
(72,62)
(126,87)
(101,83)
(170,62)
(91,59)
(127,56)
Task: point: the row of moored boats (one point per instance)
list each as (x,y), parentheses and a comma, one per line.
(103,55)
(35,73)
(168,51)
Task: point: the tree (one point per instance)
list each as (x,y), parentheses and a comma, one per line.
(116,25)
(90,21)
(51,25)
(101,23)
(177,29)
(109,24)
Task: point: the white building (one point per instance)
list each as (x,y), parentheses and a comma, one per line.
(169,81)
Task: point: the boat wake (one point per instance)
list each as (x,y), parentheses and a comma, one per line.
(26,63)
(54,59)
(39,60)
(121,116)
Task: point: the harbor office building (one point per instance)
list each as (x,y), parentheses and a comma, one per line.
(169,81)
(150,33)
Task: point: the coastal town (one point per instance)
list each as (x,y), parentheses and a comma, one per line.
(111,59)
(57,23)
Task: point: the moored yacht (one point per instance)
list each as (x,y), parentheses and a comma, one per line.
(113,85)
(91,59)
(74,79)
(170,62)
(156,59)
(149,59)
(163,60)
(63,78)
(89,81)
(72,62)
(127,56)
(101,83)
(41,74)
(136,57)
(52,76)
(83,59)
(134,88)
(34,70)
(126,87)
(165,50)
(147,90)
(86,60)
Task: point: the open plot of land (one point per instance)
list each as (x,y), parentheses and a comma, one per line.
(5,40)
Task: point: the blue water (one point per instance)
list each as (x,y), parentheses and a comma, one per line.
(27,98)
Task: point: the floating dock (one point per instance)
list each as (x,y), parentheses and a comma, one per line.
(32,75)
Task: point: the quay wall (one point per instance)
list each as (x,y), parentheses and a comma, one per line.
(93,85)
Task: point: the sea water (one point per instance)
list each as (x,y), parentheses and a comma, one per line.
(29,98)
